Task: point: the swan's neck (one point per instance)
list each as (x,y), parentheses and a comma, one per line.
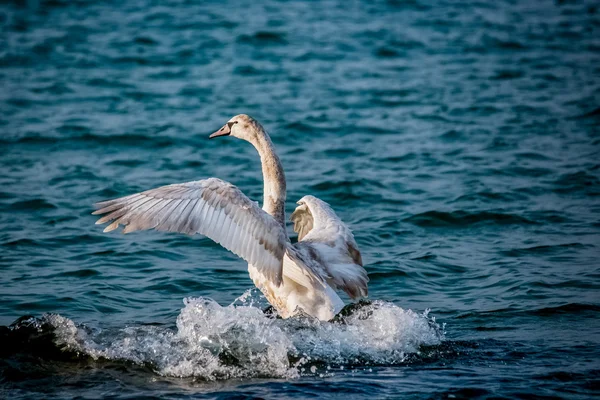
(274,178)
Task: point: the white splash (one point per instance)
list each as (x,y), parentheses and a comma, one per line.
(237,341)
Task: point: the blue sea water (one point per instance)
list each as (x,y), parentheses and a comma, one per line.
(460,142)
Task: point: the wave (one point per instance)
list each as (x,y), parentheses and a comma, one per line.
(543,249)
(568,309)
(461,218)
(213,342)
(85,138)
(262,38)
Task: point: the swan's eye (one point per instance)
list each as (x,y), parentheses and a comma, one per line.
(230,124)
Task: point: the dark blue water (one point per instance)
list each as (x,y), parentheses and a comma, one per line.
(460,142)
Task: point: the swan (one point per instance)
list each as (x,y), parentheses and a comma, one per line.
(293,277)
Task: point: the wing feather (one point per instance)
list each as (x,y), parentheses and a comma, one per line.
(180,225)
(210,207)
(303,221)
(303,268)
(189,221)
(109,206)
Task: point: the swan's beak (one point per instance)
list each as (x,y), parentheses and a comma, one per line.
(224,131)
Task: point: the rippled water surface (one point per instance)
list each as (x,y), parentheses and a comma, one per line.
(460,142)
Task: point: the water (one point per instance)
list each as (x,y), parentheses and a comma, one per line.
(460,143)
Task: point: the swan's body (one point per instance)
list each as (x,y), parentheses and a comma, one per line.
(293,277)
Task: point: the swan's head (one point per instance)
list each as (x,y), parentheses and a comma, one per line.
(241,126)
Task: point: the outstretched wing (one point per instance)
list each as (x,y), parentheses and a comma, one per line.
(211,207)
(324,234)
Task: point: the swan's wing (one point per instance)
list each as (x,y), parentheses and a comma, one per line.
(351,278)
(303,221)
(302,266)
(211,207)
(320,229)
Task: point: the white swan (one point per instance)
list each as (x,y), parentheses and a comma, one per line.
(293,277)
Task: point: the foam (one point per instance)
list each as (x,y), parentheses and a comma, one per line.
(239,341)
